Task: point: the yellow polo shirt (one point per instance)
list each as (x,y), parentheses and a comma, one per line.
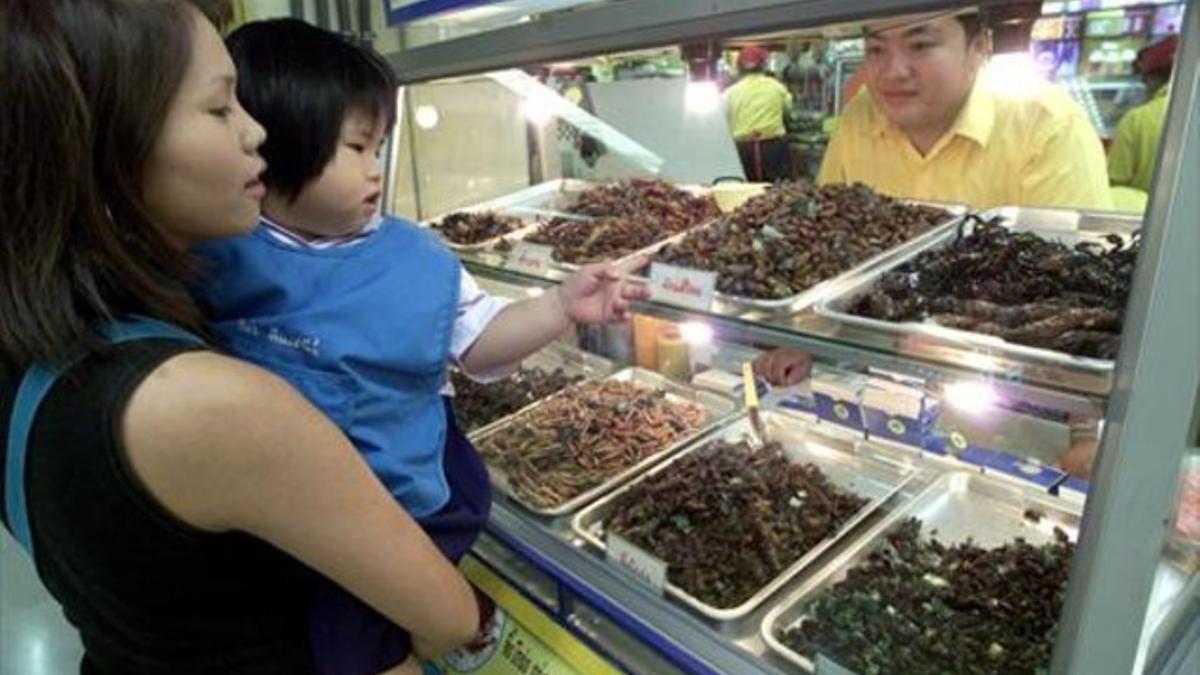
(1036,149)
(1135,144)
(755,106)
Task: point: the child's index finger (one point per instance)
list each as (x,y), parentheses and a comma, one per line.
(631,265)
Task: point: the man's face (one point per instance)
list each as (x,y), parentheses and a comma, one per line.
(921,74)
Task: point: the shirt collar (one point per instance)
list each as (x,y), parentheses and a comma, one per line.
(975,121)
(282,234)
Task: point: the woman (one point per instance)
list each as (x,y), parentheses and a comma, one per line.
(178,502)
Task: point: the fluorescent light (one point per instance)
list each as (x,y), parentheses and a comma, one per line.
(427,116)
(971,397)
(536,112)
(1013,74)
(696,333)
(701,98)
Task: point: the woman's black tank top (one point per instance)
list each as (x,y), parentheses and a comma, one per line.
(148,594)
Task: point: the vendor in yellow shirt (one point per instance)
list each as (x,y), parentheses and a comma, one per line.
(755,107)
(1135,144)
(928,127)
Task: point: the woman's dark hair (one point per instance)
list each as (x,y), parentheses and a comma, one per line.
(85,87)
(299,82)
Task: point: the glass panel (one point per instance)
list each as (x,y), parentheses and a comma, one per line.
(1175,601)
(1014,425)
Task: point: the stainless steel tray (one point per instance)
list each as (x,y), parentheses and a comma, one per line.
(725,303)
(1096,222)
(959,505)
(717,407)
(532,204)
(556,355)
(860,473)
(530,218)
(554,199)
(554,195)
(836,307)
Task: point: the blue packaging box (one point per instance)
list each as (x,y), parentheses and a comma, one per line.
(1003,462)
(839,398)
(898,413)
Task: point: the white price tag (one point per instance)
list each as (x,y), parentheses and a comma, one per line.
(681,286)
(827,666)
(530,258)
(643,566)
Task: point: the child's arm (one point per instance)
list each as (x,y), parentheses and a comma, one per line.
(594,294)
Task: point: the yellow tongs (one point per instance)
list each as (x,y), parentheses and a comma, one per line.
(758,438)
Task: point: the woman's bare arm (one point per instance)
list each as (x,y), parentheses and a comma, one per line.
(223,445)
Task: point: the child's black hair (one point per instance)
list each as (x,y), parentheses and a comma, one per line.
(300,82)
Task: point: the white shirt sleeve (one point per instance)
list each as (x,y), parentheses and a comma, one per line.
(475,311)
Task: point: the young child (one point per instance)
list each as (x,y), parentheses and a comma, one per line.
(362,313)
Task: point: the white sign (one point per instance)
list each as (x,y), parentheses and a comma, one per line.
(693,289)
(530,258)
(643,566)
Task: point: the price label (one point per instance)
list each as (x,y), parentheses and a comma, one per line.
(681,286)
(827,666)
(638,563)
(530,258)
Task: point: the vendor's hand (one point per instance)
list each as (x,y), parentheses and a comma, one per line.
(598,293)
(784,367)
(1078,460)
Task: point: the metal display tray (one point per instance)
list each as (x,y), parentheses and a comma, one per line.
(836,307)
(554,356)
(530,218)
(960,505)
(532,204)
(716,406)
(554,199)
(724,303)
(842,461)
(1094,222)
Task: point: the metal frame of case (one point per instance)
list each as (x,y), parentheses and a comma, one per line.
(1150,402)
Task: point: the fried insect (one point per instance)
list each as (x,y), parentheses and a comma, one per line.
(1017,286)
(472,228)
(728,519)
(918,607)
(796,235)
(477,405)
(626,217)
(584,436)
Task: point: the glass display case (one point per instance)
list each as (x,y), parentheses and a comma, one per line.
(985,439)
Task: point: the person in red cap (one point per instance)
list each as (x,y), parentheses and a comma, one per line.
(1135,144)
(755,107)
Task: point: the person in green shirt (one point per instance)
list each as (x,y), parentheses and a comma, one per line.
(1135,144)
(755,106)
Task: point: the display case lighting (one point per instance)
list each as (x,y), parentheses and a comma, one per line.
(536,112)
(973,397)
(427,116)
(701,97)
(1013,74)
(696,333)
